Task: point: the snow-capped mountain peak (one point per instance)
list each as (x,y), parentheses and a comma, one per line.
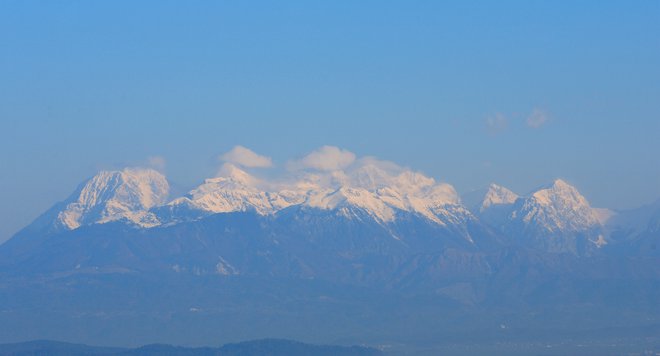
(233,190)
(559,190)
(377,191)
(231,173)
(382,194)
(557,207)
(369,177)
(350,196)
(497,195)
(114,195)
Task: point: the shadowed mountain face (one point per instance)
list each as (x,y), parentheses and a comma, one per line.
(296,243)
(381,260)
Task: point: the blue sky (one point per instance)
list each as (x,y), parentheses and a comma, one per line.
(470,93)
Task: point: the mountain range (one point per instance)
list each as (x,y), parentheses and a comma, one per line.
(553,218)
(120,248)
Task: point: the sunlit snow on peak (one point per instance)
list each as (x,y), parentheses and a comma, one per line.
(331,178)
(498,195)
(328,178)
(114,195)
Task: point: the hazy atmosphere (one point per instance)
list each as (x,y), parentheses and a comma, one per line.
(345,178)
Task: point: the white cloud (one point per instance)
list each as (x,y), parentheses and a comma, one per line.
(247,158)
(496,124)
(326,158)
(537,118)
(157,163)
(388,166)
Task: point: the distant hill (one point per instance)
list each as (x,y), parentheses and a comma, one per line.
(266,347)
(56,348)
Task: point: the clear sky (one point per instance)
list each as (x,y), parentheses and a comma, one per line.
(517,93)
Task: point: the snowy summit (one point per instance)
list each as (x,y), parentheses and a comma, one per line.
(115,195)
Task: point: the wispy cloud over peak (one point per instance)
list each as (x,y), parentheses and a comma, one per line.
(537,119)
(156,162)
(245,157)
(496,124)
(326,158)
